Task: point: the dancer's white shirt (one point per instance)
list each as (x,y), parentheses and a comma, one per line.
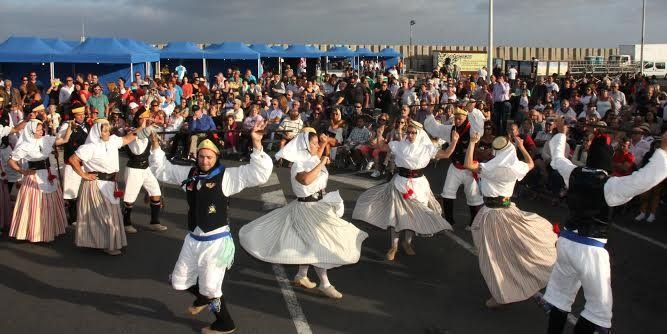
(320,183)
(499,175)
(416,155)
(37,150)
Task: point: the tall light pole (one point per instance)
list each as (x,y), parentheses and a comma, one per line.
(489,51)
(641,55)
(412,22)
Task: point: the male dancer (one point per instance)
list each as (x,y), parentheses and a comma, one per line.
(72,180)
(582,260)
(208,250)
(137,175)
(457,175)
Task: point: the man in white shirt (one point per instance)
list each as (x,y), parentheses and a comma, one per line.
(552,87)
(617,97)
(66,91)
(566,112)
(640,145)
(511,74)
(482,73)
(502,108)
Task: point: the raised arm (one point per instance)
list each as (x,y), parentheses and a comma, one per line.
(558,160)
(469,163)
(255,173)
(64,139)
(446,153)
(436,129)
(620,190)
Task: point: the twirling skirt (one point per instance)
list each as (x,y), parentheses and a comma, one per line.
(99,221)
(305,233)
(38,216)
(384,206)
(517,251)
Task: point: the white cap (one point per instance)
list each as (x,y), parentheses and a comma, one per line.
(133,105)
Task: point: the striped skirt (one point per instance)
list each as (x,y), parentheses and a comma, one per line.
(5,205)
(99,222)
(384,206)
(38,216)
(304,233)
(517,251)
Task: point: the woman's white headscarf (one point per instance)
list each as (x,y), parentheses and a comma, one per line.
(298,149)
(503,160)
(28,132)
(414,155)
(95,134)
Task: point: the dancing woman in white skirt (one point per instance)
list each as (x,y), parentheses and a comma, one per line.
(39,212)
(406,202)
(517,249)
(309,230)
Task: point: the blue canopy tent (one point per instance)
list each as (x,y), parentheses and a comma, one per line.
(271,56)
(296,51)
(231,55)
(58,44)
(364,54)
(141,48)
(340,52)
(390,56)
(183,53)
(21,55)
(72,43)
(109,58)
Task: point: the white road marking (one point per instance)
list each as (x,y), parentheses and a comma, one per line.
(273,200)
(640,236)
(470,248)
(293,306)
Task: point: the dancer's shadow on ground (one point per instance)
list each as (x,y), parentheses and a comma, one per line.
(104,302)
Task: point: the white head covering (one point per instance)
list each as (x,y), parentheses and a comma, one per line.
(298,149)
(95,134)
(414,155)
(28,132)
(505,157)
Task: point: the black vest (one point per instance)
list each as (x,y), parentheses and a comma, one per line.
(139,161)
(585,199)
(459,154)
(76,139)
(207,205)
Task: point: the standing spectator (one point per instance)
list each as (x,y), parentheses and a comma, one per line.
(66,91)
(501,106)
(639,144)
(99,102)
(383,99)
(623,160)
(617,98)
(512,74)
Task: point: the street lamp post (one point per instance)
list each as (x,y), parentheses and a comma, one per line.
(489,51)
(412,22)
(641,54)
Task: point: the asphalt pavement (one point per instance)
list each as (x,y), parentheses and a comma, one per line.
(58,288)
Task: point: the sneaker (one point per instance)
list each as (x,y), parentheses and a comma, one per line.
(651,218)
(113,252)
(376,173)
(369,165)
(130,229)
(303,282)
(157,227)
(208,330)
(331,292)
(641,217)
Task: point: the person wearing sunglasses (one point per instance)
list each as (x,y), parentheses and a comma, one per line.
(406,203)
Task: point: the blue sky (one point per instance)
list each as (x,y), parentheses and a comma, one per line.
(564,23)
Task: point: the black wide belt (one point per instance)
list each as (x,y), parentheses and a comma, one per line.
(410,173)
(42,164)
(105,176)
(497,202)
(138,163)
(312,198)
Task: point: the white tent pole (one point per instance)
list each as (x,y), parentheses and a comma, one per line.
(280,66)
(131,70)
(52,69)
(203,71)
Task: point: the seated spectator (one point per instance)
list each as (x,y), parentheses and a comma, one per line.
(357,143)
(623,160)
(198,128)
(248,123)
(117,123)
(231,137)
(379,144)
(291,125)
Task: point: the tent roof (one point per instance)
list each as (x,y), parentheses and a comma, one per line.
(230,50)
(389,53)
(301,51)
(58,44)
(265,51)
(365,52)
(340,52)
(181,50)
(26,50)
(106,50)
(137,46)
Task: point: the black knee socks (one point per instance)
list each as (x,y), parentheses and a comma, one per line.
(127,214)
(448,208)
(473,212)
(71,211)
(155,211)
(557,320)
(223,320)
